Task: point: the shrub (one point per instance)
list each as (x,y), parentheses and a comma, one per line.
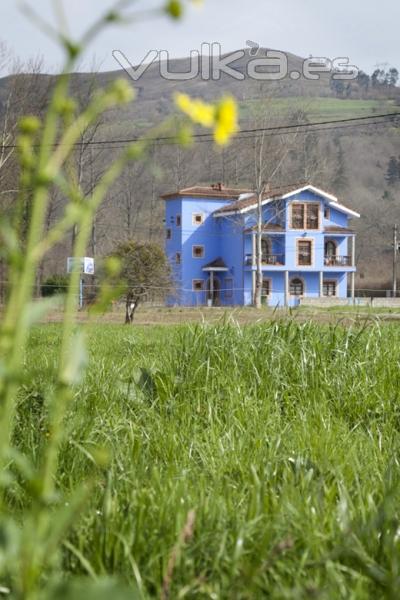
(53,285)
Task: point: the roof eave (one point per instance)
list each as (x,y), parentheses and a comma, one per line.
(314,189)
(344,209)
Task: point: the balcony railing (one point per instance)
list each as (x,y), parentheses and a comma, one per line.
(267,259)
(338,261)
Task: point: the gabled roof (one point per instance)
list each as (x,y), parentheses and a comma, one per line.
(249,202)
(214,191)
(249,199)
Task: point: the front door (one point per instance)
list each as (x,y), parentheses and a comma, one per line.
(214,290)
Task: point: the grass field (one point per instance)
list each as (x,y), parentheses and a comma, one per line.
(148,315)
(276,444)
(320,109)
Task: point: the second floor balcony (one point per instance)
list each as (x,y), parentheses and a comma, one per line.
(277,260)
(338,261)
(302,261)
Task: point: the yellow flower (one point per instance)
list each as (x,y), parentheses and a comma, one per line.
(221,117)
(226,121)
(197,110)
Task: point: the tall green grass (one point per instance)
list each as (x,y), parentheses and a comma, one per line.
(282,438)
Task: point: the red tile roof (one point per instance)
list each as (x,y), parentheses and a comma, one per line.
(272,227)
(215,191)
(273,193)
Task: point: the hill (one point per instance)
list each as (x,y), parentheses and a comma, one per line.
(351,161)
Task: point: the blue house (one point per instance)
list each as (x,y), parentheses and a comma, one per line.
(308,247)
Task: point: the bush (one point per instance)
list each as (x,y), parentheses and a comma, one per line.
(55,284)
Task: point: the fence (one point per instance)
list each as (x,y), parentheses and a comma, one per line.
(155,297)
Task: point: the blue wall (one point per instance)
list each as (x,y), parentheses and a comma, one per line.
(172,246)
(224,237)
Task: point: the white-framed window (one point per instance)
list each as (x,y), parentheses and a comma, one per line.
(178,258)
(198,251)
(197,218)
(327,213)
(197,285)
(168,233)
(178,220)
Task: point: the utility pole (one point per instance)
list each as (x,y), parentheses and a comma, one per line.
(395,252)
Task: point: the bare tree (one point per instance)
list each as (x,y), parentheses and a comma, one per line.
(132,200)
(269,156)
(23,91)
(85,165)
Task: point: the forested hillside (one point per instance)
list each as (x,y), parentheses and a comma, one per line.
(358,162)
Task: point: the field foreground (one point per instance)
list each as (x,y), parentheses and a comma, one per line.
(276,444)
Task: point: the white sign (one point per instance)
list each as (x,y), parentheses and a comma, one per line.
(84,265)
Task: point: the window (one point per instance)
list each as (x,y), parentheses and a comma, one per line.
(266,287)
(298,212)
(168,234)
(296,287)
(312,216)
(305,216)
(178,258)
(228,288)
(329,288)
(327,213)
(265,250)
(304,253)
(178,220)
(330,248)
(198,251)
(197,218)
(197,285)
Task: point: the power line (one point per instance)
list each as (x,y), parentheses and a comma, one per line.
(245,133)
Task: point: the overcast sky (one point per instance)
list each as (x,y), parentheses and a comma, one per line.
(365,31)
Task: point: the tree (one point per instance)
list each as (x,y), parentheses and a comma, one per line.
(393,77)
(363,80)
(393,171)
(131,200)
(144,269)
(377,77)
(24,91)
(338,87)
(85,165)
(339,180)
(269,155)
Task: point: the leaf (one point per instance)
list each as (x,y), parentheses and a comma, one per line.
(84,589)
(35,311)
(77,360)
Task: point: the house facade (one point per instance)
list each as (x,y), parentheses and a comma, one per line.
(308,246)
